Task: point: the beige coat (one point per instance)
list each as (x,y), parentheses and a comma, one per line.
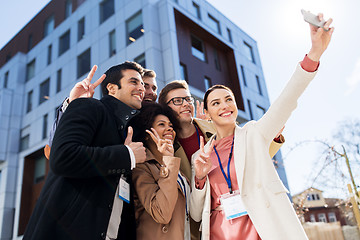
(262,191)
(159,202)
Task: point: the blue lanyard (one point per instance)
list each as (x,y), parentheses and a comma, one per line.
(183,188)
(227,178)
(198,135)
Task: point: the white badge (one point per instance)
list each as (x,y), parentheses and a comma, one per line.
(124,190)
(232,205)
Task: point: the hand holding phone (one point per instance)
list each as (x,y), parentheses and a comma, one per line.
(313,19)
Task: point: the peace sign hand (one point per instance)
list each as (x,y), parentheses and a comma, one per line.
(85,88)
(165,146)
(200,110)
(202,162)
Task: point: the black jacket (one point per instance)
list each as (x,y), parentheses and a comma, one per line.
(86,161)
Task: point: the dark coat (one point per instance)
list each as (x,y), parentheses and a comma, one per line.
(86,161)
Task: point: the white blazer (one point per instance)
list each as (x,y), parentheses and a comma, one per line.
(262,191)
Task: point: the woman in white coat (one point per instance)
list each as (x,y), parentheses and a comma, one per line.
(236,191)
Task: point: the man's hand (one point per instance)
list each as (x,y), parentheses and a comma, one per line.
(320,39)
(203,163)
(200,110)
(85,88)
(137,147)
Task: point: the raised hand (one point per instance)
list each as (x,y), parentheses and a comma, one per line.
(164,146)
(200,110)
(202,162)
(85,88)
(320,38)
(137,147)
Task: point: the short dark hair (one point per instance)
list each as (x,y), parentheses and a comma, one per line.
(176,84)
(115,73)
(145,119)
(149,73)
(212,88)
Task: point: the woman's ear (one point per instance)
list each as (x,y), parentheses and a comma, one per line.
(207,115)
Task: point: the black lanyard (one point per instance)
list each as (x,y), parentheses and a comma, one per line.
(198,135)
(227,178)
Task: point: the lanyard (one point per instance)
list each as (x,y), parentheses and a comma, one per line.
(227,178)
(183,188)
(198,135)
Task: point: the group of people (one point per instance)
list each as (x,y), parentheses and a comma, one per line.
(127,167)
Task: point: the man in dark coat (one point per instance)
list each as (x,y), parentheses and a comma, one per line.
(87,159)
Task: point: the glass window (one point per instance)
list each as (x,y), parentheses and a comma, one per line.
(260,111)
(30,42)
(141,60)
(49,54)
(197,48)
(83,63)
(308,197)
(312,218)
(45,124)
(214,24)
(258,85)
(332,217)
(24,142)
(30,70)
(49,25)
(58,81)
(249,52)
(317,197)
(39,169)
(6,79)
(81,29)
(68,8)
(44,91)
(250,110)
(217,60)
(106,10)
(229,35)
(112,43)
(29,101)
(64,42)
(183,72)
(322,217)
(207,82)
(243,75)
(196,10)
(134,28)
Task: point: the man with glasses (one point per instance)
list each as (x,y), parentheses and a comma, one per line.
(177,96)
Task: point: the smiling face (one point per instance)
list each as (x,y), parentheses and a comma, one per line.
(150,89)
(132,89)
(221,107)
(185,111)
(164,127)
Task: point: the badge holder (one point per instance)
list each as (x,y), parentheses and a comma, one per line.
(124,190)
(233,205)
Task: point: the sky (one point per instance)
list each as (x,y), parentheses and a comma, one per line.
(283,39)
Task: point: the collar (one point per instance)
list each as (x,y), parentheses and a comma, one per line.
(120,110)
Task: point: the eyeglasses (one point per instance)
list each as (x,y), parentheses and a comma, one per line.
(180,100)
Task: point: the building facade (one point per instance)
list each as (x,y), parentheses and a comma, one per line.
(183,39)
(311,206)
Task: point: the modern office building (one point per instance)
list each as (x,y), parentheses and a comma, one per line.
(183,39)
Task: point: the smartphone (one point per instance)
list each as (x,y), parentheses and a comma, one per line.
(312,19)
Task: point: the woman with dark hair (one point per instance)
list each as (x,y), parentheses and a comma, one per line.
(236,191)
(162,192)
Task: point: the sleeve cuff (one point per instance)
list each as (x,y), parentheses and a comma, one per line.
(309,65)
(132,158)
